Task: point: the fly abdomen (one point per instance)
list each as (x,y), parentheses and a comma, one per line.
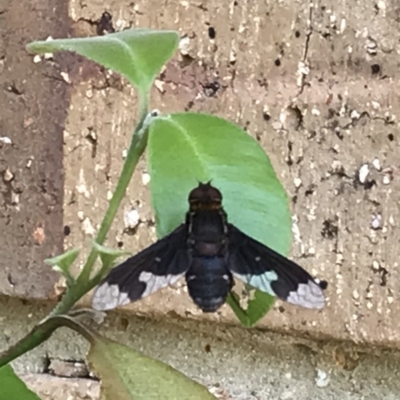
(209,282)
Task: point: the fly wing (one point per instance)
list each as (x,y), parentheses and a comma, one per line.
(272,273)
(155,267)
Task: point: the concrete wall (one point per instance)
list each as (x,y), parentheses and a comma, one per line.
(315,83)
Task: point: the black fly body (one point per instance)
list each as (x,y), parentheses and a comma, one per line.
(209,252)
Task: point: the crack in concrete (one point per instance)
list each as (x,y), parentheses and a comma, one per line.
(309,32)
(354,121)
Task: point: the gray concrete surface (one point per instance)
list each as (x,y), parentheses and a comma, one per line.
(242,364)
(316,84)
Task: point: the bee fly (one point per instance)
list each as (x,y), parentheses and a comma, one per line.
(209,252)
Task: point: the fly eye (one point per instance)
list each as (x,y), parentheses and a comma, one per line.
(205,193)
(194,195)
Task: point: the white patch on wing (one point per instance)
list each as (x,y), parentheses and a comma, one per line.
(107,297)
(156,282)
(308,295)
(261,282)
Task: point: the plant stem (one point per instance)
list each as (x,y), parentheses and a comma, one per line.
(42,332)
(138,145)
(83,284)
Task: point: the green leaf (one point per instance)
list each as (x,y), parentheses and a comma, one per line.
(128,374)
(138,54)
(186,148)
(63,262)
(108,255)
(12,388)
(256,307)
